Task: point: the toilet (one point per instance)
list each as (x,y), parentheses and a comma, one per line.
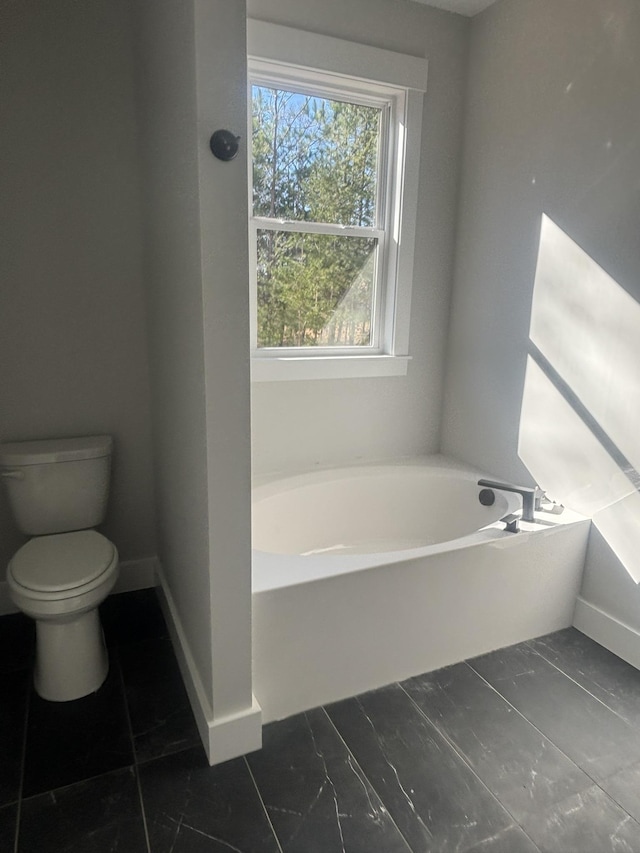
(58,491)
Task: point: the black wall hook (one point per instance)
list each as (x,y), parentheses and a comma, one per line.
(224,144)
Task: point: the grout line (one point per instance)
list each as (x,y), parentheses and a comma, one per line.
(613,711)
(458,751)
(82,781)
(613,799)
(24,757)
(530,722)
(364,776)
(133,749)
(581,686)
(264,808)
(546,736)
(142,762)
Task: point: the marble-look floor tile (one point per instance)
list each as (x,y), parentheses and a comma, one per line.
(14,690)
(161,717)
(8,821)
(518,764)
(17,642)
(511,840)
(624,788)
(589,822)
(100,815)
(595,738)
(191,807)
(612,680)
(317,797)
(70,741)
(132,617)
(436,801)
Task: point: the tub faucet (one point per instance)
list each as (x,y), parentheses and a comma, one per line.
(530,496)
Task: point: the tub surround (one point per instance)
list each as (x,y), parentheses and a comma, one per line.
(328,627)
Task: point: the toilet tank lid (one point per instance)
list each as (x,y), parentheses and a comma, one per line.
(55,450)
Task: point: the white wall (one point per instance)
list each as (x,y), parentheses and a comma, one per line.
(192,76)
(73,349)
(551,127)
(298,424)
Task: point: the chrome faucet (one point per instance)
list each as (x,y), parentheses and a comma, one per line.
(530,496)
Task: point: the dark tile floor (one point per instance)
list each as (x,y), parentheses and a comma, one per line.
(531,748)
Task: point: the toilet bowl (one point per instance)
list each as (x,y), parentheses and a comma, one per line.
(58,492)
(59,580)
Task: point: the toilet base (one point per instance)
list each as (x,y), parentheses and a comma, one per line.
(71,657)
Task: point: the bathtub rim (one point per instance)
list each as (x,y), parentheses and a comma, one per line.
(272,571)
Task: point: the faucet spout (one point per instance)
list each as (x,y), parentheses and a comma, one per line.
(530,495)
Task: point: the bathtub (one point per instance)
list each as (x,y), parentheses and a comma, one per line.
(370,574)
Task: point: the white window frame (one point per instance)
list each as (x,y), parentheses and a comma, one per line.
(286,57)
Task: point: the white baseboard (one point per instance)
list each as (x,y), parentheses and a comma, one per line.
(134,574)
(223,738)
(619,638)
(137,574)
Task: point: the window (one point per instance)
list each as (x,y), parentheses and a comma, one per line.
(333,193)
(318,216)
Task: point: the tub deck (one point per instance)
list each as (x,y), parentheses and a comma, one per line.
(328,627)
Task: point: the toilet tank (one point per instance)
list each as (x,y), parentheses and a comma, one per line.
(57,485)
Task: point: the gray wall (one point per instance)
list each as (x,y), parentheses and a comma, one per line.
(165,67)
(73,350)
(300,424)
(192,79)
(552,126)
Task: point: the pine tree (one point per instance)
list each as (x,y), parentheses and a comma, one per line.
(314,160)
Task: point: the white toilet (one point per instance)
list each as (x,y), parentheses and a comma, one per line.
(58,491)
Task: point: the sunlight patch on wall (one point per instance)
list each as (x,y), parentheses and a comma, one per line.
(579,431)
(562,453)
(588,328)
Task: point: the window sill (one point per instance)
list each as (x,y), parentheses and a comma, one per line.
(274,369)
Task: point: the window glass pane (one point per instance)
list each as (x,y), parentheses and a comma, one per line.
(314,159)
(315,289)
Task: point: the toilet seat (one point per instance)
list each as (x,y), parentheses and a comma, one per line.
(62,565)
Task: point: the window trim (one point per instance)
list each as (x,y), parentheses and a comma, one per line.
(375,73)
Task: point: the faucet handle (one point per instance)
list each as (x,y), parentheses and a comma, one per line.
(511,523)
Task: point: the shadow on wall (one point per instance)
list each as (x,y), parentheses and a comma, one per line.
(579,425)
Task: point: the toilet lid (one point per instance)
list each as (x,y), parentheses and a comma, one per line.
(62,561)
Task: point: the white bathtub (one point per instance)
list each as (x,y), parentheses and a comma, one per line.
(367,575)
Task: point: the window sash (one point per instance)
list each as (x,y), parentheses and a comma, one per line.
(375,346)
(351,93)
(268,223)
(390,102)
